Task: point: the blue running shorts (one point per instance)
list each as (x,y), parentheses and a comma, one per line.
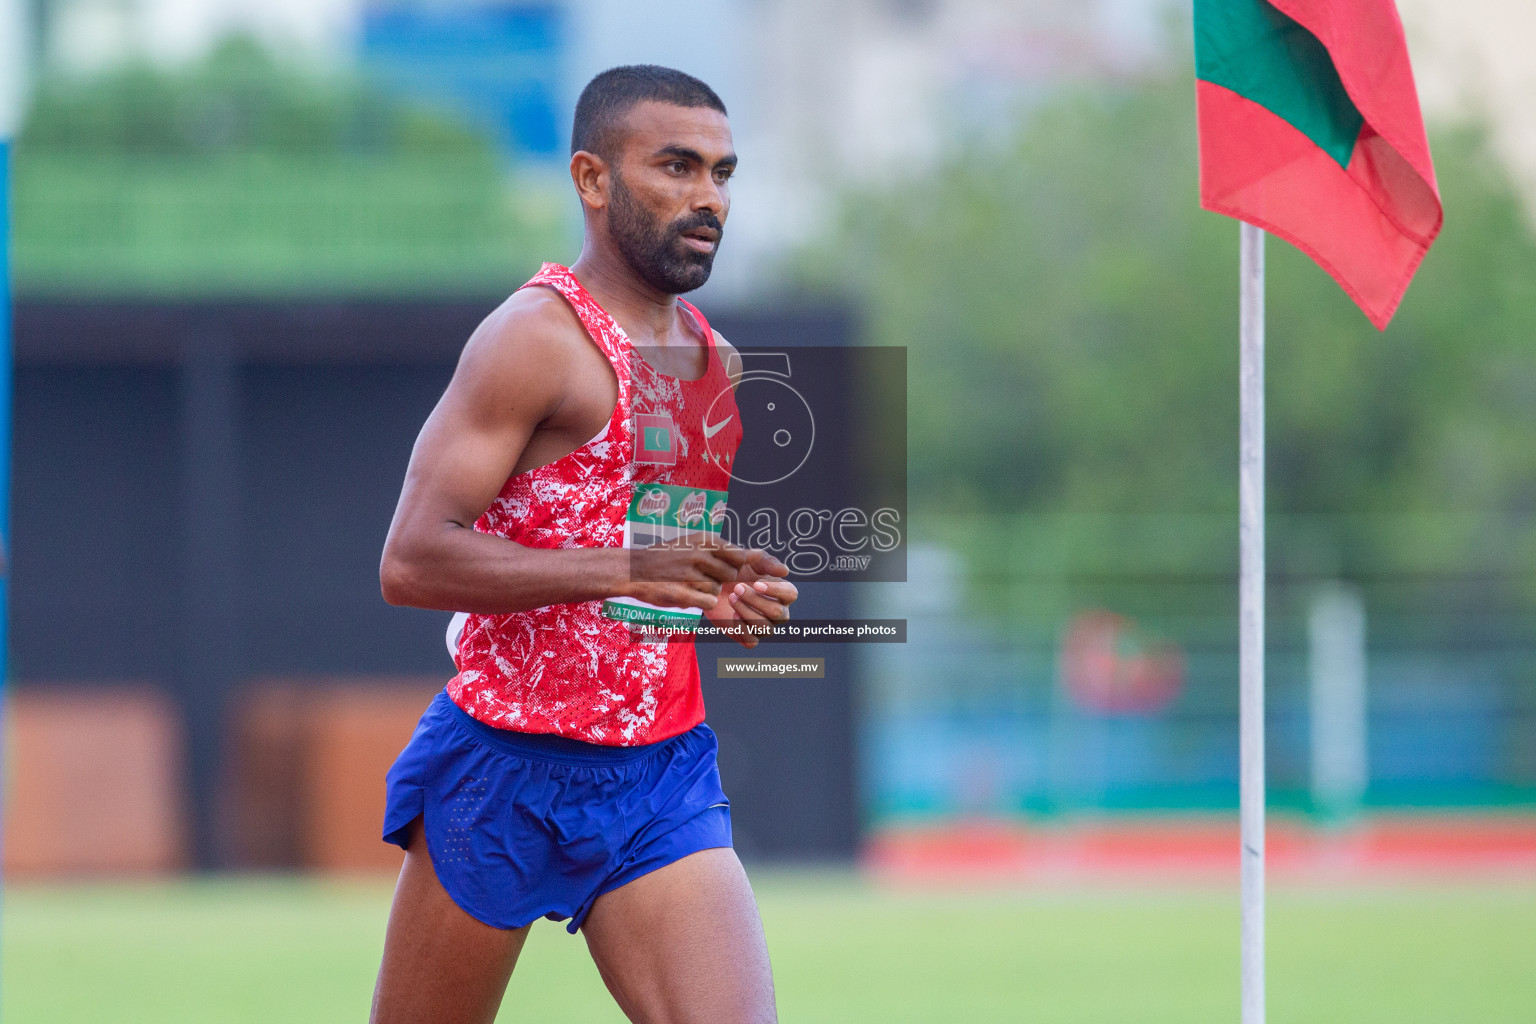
(521,826)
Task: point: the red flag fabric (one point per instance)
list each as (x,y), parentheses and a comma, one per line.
(1310,128)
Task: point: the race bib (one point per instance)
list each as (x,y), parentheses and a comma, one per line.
(663,513)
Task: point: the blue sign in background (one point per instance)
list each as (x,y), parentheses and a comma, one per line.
(497,65)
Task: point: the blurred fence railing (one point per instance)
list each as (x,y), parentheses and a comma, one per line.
(1042,679)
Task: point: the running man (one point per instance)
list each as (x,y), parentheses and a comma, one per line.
(566,771)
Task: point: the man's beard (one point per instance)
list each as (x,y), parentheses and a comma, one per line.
(655,251)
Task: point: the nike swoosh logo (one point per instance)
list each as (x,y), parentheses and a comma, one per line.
(711,431)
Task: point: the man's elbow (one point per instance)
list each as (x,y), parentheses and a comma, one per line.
(399,581)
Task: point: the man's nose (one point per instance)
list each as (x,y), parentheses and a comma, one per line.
(710,196)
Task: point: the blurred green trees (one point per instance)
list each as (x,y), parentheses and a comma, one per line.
(244,175)
(1071,321)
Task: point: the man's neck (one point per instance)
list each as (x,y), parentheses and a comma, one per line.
(647,315)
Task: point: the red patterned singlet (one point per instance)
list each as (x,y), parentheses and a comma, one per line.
(567,668)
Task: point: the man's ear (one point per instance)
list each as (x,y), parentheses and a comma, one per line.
(589,173)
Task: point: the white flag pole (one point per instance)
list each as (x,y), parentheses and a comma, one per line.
(1251,616)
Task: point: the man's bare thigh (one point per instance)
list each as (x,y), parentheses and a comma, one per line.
(685,944)
(440,964)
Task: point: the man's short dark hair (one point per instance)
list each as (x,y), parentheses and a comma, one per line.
(612,94)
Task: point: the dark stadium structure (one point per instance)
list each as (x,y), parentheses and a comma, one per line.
(201,493)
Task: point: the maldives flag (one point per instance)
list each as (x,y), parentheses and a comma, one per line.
(1310,128)
(654,435)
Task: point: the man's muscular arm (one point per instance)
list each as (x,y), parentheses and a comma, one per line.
(512,377)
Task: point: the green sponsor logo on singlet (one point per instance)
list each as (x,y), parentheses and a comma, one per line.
(662,514)
(675,510)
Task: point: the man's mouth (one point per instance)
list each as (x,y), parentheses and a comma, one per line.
(701,239)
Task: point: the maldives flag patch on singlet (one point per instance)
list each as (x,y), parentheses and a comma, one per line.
(655,440)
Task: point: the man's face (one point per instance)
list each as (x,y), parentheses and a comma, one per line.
(670,193)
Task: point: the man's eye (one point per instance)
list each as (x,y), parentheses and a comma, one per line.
(677,167)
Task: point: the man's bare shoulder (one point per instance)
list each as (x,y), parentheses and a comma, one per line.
(521,360)
(532,323)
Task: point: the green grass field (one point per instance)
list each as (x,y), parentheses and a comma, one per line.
(242,950)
